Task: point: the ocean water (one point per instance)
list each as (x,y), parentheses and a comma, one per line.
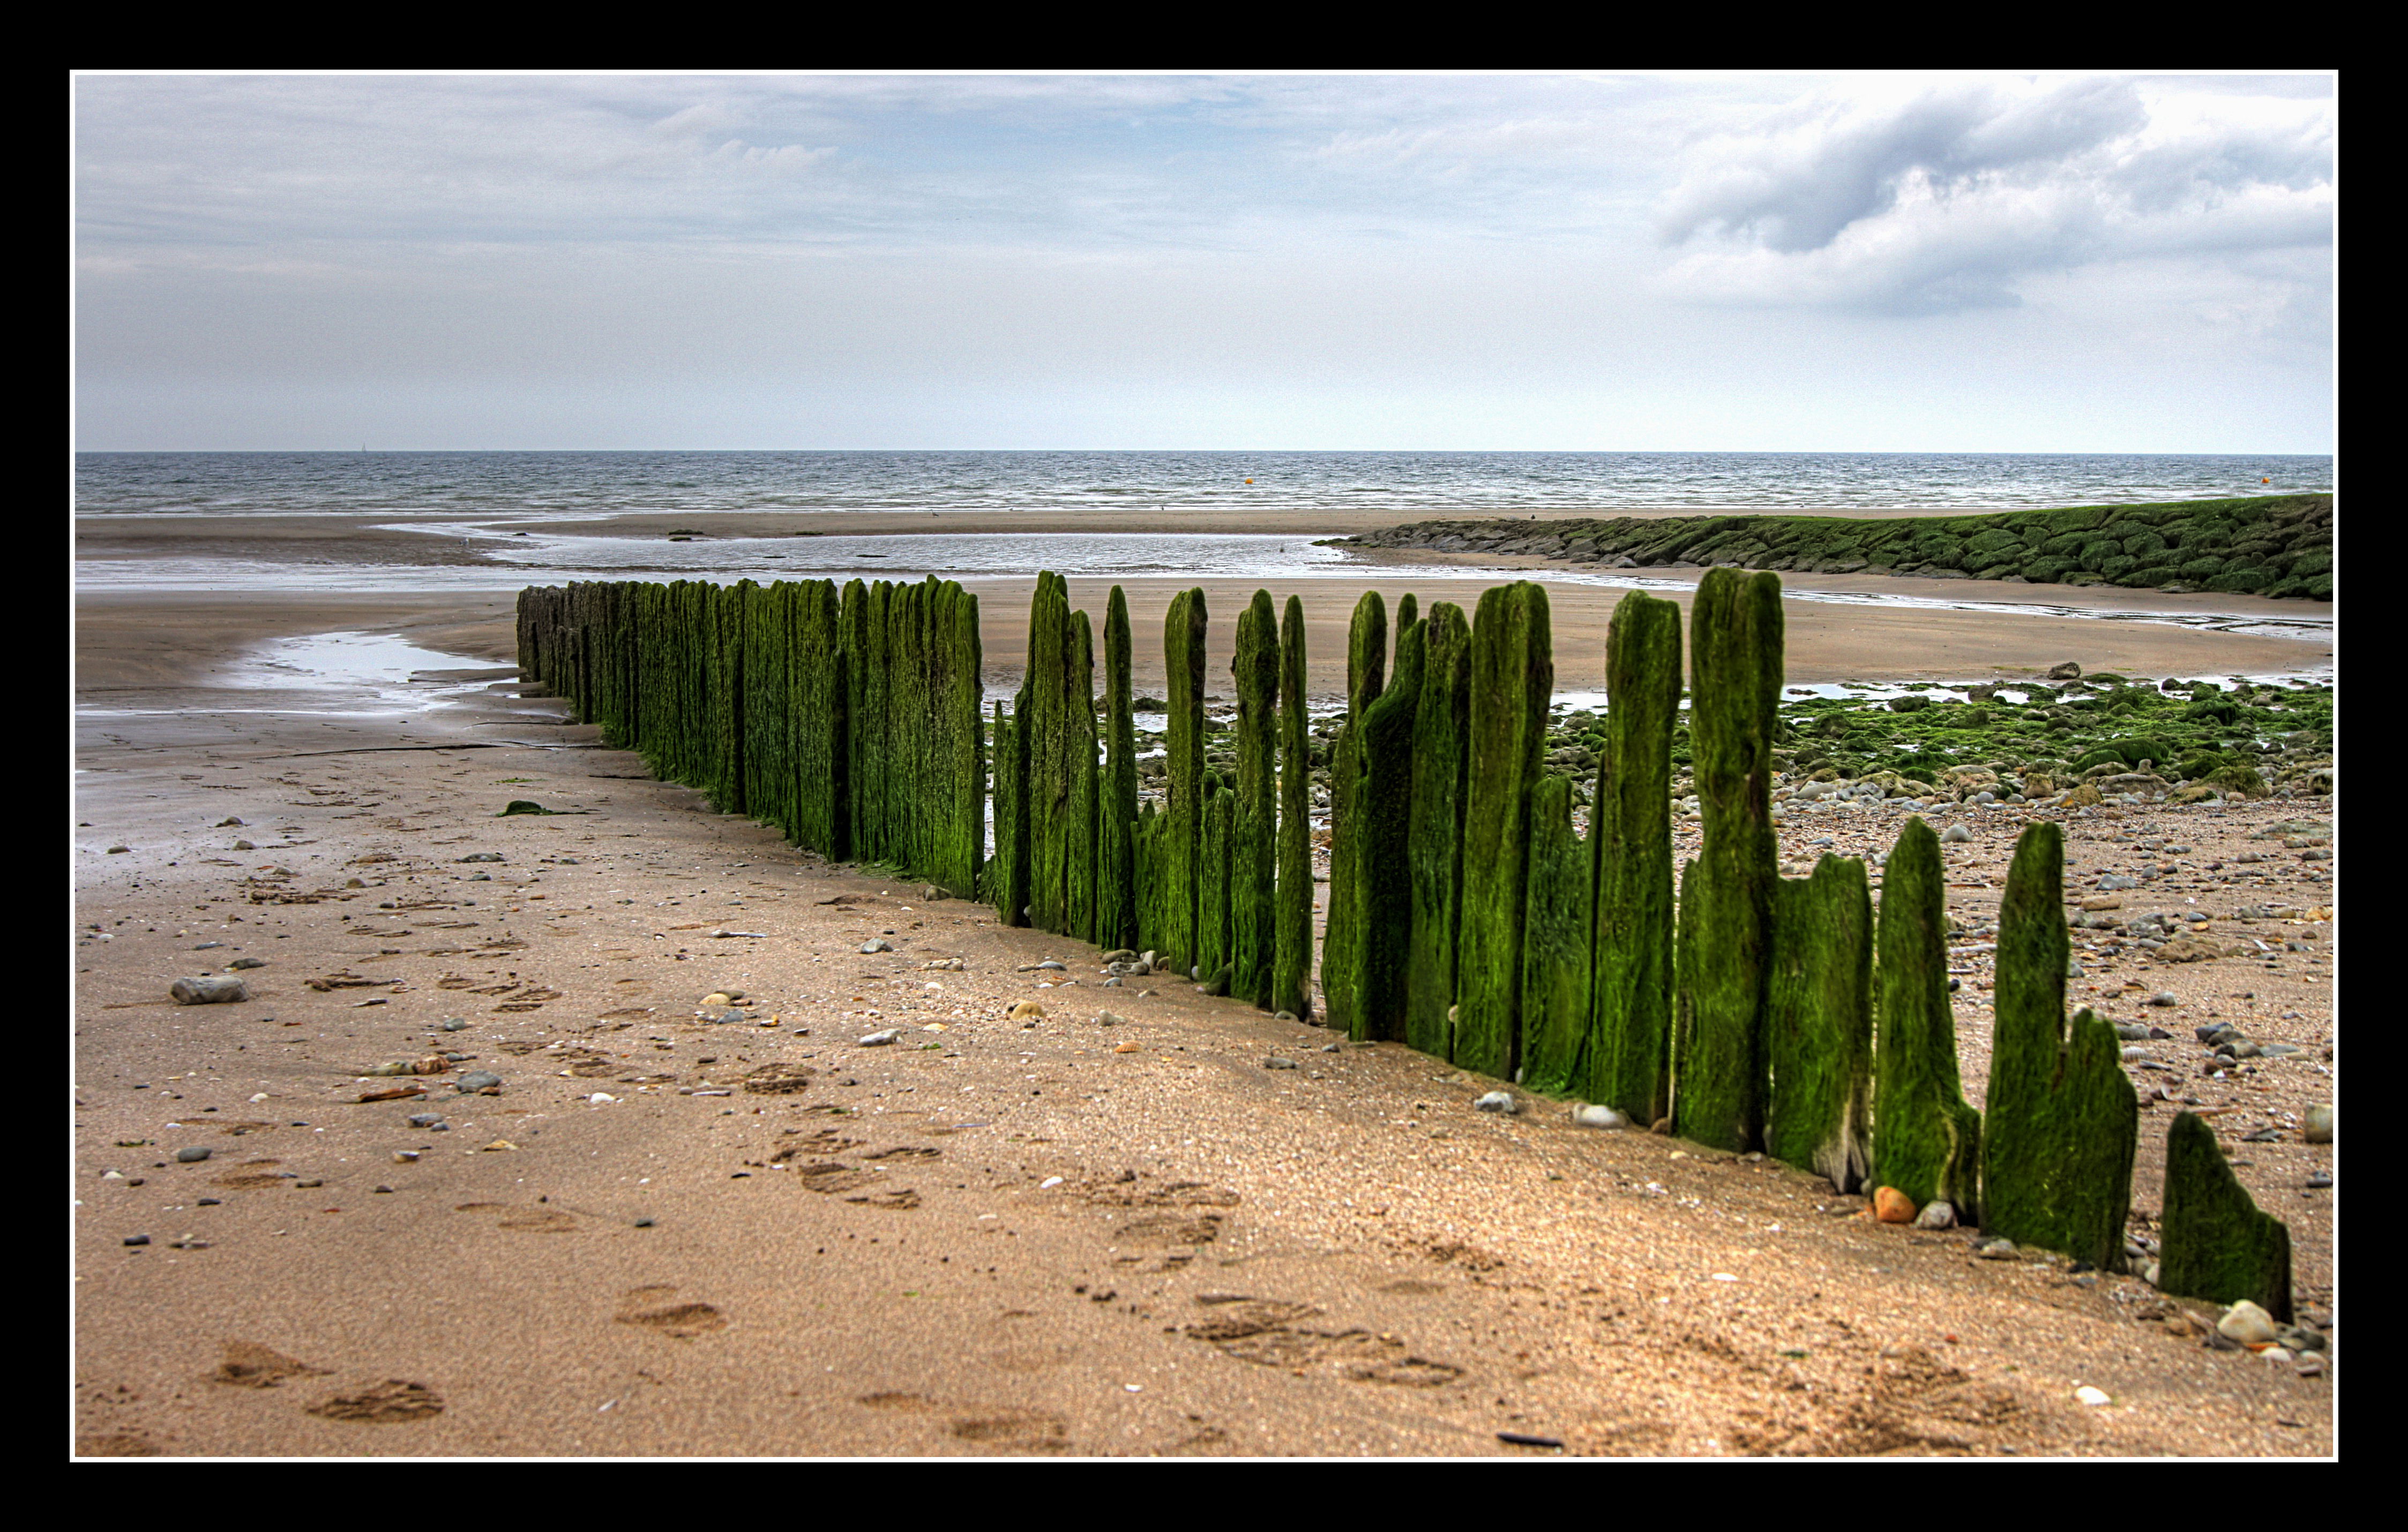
(574,485)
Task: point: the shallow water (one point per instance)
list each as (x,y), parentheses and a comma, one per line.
(338,675)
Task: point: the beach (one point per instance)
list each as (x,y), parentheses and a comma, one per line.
(1147,1222)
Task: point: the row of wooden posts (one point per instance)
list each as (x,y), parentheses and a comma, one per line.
(1468,918)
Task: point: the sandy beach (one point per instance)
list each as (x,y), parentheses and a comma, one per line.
(1118,1230)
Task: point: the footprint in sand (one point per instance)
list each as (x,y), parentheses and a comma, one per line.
(656,1309)
(388,1403)
(247,1363)
(1264,1331)
(118,1444)
(1007,1428)
(523,1219)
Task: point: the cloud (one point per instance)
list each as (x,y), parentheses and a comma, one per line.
(1953,197)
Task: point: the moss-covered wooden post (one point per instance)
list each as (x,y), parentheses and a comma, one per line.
(768,770)
(1367,665)
(823,748)
(1212,880)
(1254,849)
(1512,681)
(1560,923)
(960,696)
(1050,783)
(1292,969)
(1818,1026)
(1008,875)
(1182,654)
(2214,1241)
(1628,1062)
(864,706)
(1116,920)
(1383,821)
(1078,738)
(2062,1124)
(1735,648)
(1433,844)
(1926,1139)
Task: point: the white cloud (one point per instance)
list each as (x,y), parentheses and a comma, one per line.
(1952,197)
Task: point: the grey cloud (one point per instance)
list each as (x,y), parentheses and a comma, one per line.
(1950,199)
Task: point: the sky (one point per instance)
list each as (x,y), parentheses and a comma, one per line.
(1409,262)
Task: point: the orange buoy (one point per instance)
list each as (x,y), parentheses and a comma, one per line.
(2261,482)
(1249,481)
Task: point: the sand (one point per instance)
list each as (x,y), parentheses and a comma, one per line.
(995,1239)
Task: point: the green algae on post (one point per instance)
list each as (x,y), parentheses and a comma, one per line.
(1434,845)
(1292,972)
(1512,681)
(1819,1024)
(1182,654)
(1556,931)
(1116,922)
(2214,1241)
(1628,1061)
(1366,659)
(2062,1124)
(1383,824)
(1926,1139)
(1253,850)
(1735,658)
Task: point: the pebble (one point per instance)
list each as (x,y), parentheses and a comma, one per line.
(879,1039)
(1600,1117)
(1107,1018)
(2089,1395)
(2311,1364)
(137,1238)
(478,1079)
(1275,1061)
(2248,1324)
(719,998)
(2164,997)
(1027,1010)
(2320,1127)
(192,1156)
(877,944)
(2319,1180)
(243,962)
(1129,1047)
(1501,1101)
(425,1118)
(1955,835)
(1892,1206)
(481,856)
(1996,1250)
(453,1023)
(1936,1215)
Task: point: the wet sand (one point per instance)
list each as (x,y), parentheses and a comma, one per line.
(1342,1258)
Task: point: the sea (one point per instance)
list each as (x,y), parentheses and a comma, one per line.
(580,485)
(542,518)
